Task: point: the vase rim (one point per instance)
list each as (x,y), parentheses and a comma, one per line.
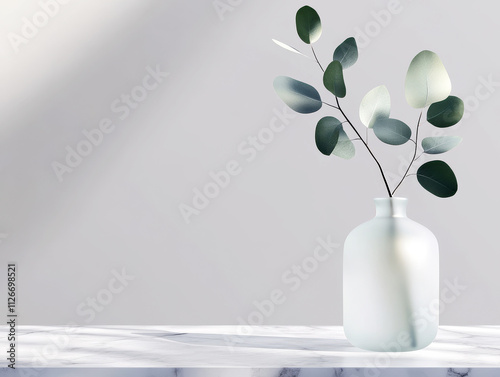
(393,198)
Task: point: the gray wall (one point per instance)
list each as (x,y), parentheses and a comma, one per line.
(118,208)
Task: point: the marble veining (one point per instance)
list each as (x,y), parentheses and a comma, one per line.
(254,372)
(268,347)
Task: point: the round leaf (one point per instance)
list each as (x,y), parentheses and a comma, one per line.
(446,113)
(392,131)
(426,80)
(299,96)
(437,178)
(327,134)
(346,53)
(308,24)
(344,148)
(333,79)
(376,104)
(440,144)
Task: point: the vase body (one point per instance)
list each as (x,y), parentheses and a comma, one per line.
(391,281)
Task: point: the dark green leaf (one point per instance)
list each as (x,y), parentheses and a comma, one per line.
(440,144)
(346,53)
(308,24)
(391,131)
(327,134)
(437,178)
(345,147)
(333,79)
(446,113)
(299,96)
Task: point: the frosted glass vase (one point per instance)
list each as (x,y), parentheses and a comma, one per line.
(391,281)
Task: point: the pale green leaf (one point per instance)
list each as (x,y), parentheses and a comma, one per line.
(440,144)
(376,104)
(344,148)
(289,48)
(426,80)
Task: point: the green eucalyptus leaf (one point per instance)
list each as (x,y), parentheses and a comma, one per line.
(440,144)
(346,53)
(299,96)
(437,178)
(426,80)
(446,113)
(344,148)
(376,104)
(391,131)
(327,134)
(333,79)
(308,24)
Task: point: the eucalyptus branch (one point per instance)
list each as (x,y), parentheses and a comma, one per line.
(367,147)
(356,131)
(328,104)
(427,84)
(315,57)
(414,155)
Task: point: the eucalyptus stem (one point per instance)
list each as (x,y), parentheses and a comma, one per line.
(328,104)
(315,57)
(414,155)
(367,147)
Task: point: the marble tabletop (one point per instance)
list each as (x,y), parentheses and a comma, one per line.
(237,346)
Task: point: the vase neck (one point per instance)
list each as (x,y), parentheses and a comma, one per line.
(390,207)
